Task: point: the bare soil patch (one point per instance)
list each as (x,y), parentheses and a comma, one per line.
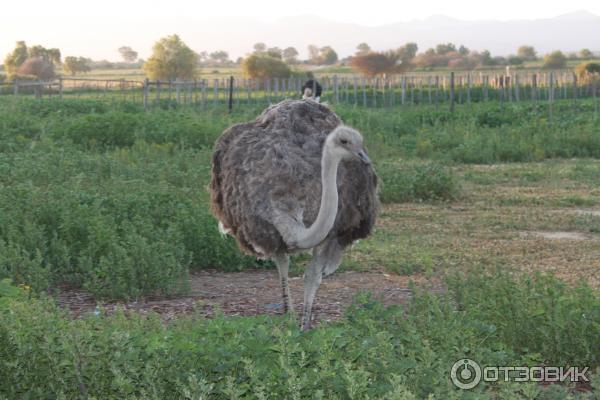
(256,292)
(581,211)
(557,235)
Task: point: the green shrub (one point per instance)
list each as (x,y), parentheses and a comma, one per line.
(417,182)
(373,352)
(123,223)
(113,129)
(260,66)
(86,183)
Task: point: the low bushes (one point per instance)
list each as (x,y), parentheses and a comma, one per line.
(122,223)
(416,182)
(480,134)
(373,352)
(112,198)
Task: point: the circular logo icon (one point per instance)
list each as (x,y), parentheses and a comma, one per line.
(465,374)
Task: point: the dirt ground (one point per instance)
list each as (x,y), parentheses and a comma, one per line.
(257,292)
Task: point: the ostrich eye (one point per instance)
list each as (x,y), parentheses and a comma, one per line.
(343,141)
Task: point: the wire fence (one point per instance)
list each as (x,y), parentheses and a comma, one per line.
(446,89)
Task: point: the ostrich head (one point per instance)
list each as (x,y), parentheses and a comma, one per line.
(346,143)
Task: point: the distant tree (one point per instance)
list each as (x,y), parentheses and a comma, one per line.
(459,63)
(499,60)
(290,55)
(21,53)
(171,59)
(588,72)
(50,55)
(362,49)
(37,67)
(219,56)
(527,53)
(444,48)
(260,66)
(54,56)
(485,58)
(555,60)
(102,64)
(274,52)
(260,47)
(202,57)
(16,58)
(327,55)
(128,54)
(463,51)
(76,65)
(428,59)
(514,60)
(407,53)
(585,54)
(313,54)
(373,64)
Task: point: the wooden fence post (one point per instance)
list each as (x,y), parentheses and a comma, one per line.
(230,105)
(452,91)
(469,88)
(215,92)
(16,87)
(60,87)
(550,93)
(486,82)
(364,92)
(146,88)
(158,92)
(574,88)
(38,89)
(429,88)
(336,98)
(594,91)
(403,90)
(437,91)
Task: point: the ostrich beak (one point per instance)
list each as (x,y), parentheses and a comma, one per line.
(362,154)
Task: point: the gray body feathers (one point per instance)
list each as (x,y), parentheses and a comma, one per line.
(271,168)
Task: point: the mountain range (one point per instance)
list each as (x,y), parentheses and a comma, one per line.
(99,39)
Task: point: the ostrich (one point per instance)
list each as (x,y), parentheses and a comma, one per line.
(295,179)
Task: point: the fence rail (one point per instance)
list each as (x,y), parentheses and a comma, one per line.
(417,89)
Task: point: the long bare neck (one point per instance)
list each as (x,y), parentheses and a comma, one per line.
(316,233)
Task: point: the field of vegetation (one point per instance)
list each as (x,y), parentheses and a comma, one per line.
(496,203)
(318,71)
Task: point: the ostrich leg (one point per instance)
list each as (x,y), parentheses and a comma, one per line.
(326,258)
(283,266)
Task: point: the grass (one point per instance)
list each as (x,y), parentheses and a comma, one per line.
(487,225)
(112,199)
(340,70)
(105,196)
(373,352)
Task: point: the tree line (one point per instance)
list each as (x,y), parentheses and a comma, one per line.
(172,58)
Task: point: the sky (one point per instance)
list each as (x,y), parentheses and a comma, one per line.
(77,27)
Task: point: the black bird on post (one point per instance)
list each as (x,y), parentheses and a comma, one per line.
(312,90)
